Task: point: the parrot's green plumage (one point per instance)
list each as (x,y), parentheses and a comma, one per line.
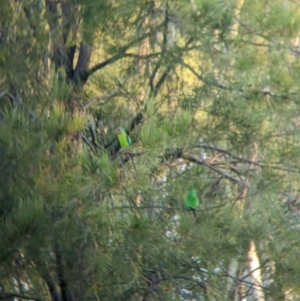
(123,138)
(192,201)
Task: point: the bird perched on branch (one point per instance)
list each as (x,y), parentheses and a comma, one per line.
(123,138)
(192,202)
(125,141)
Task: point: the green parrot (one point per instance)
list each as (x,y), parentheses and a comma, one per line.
(192,202)
(125,141)
(123,138)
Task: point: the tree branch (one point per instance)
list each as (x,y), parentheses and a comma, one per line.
(4,296)
(63,55)
(164,49)
(83,61)
(99,98)
(152,76)
(55,295)
(136,121)
(67,20)
(223,174)
(239,159)
(168,277)
(70,61)
(66,295)
(84,75)
(215,83)
(198,282)
(86,141)
(151,280)
(178,153)
(161,80)
(15,100)
(94,139)
(121,54)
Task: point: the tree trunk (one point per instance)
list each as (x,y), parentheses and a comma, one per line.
(253,262)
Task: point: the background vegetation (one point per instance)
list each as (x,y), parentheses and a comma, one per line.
(208,91)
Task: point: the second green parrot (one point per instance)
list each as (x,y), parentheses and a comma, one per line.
(192,202)
(123,138)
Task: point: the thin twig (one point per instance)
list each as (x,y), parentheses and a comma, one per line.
(99,98)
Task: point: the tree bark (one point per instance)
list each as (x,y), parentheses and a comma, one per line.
(252,256)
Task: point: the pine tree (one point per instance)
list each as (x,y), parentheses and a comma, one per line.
(207,91)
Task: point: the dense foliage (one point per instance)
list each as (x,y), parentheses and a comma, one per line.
(208,91)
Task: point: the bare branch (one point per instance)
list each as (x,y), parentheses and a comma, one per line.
(88,144)
(243,279)
(159,63)
(121,54)
(168,69)
(239,159)
(152,76)
(99,98)
(178,153)
(223,174)
(94,139)
(10,97)
(162,79)
(168,277)
(84,75)
(198,282)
